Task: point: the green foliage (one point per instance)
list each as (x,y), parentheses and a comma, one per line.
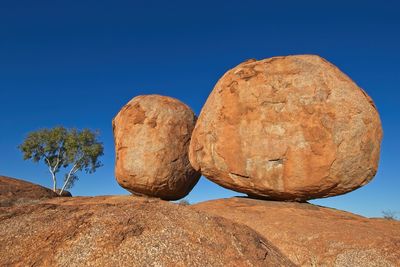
(45,144)
(71,181)
(63,148)
(83,150)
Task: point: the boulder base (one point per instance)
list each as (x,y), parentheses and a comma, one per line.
(127,231)
(311,235)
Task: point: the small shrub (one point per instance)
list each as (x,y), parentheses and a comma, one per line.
(184,202)
(389,215)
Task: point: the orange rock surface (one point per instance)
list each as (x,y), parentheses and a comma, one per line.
(17,192)
(152,135)
(287,128)
(311,235)
(126,231)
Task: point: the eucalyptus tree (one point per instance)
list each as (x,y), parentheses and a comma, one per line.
(64,149)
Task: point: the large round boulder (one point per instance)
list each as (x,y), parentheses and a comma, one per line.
(152,135)
(287,128)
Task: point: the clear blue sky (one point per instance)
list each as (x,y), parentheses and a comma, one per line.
(76,63)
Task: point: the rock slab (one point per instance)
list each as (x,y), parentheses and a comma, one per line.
(287,128)
(127,231)
(152,135)
(18,192)
(311,235)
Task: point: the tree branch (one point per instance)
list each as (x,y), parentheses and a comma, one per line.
(58,158)
(71,172)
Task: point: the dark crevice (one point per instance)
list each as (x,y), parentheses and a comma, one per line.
(279,161)
(240,175)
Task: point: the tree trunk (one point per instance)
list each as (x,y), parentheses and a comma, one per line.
(71,172)
(54,182)
(65,184)
(53,173)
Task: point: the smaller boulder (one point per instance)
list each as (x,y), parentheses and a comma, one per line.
(152,135)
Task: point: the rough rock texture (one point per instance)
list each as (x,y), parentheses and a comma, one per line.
(64,193)
(18,192)
(152,135)
(287,128)
(315,236)
(126,231)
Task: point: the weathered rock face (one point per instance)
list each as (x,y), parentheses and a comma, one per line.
(315,236)
(126,231)
(19,192)
(287,128)
(152,135)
